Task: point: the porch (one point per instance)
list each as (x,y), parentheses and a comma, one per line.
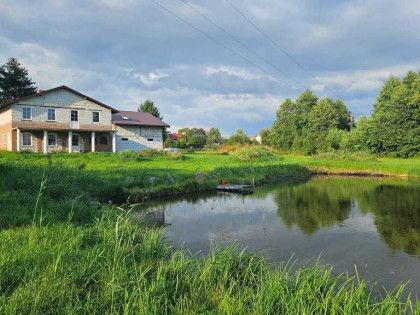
(48,141)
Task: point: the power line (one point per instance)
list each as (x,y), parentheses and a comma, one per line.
(241,43)
(278,46)
(216,41)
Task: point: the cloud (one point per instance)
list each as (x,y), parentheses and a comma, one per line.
(129,51)
(366,80)
(234,71)
(150,78)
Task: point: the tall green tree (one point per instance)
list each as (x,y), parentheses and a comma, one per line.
(286,127)
(149,107)
(214,136)
(239,137)
(396,117)
(14,81)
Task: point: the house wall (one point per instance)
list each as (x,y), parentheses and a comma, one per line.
(137,138)
(63,101)
(6,129)
(36,145)
(62,141)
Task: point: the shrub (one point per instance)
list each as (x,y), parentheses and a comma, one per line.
(150,153)
(176,155)
(255,154)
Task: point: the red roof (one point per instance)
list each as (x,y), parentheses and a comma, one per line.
(174,136)
(63,87)
(137,119)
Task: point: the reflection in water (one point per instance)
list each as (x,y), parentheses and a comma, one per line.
(396,211)
(313,206)
(371,223)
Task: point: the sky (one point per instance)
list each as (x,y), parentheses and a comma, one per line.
(123,52)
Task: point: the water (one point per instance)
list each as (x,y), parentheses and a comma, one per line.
(373,224)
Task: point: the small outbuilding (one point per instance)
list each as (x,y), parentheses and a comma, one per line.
(138,131)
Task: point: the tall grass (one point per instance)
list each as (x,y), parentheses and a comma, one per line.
(115,265)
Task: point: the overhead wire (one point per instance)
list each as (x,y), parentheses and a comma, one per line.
(279,47)
(242,43)
(217,41)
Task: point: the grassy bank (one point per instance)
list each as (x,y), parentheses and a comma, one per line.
(119,176)
(63,251)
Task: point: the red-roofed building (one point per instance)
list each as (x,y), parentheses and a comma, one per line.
(174,136)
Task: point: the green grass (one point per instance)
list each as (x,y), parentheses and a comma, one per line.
(62,251)
(353,164)
(115,265)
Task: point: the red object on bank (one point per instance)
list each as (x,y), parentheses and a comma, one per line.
(223,182)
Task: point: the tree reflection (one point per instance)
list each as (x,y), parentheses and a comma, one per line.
(314,205)
(321,203)
(396,210)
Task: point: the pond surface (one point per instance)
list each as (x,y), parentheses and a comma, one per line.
(373,224)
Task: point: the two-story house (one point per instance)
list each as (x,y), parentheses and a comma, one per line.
(62,119)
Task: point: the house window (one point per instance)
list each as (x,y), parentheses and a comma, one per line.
(26,113)
(124,139)
(95,117)
(26,139)
(149,139)
(103,140)
(74,115)
(52,139)
(51,114)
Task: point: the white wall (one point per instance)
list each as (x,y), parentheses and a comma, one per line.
(137,138)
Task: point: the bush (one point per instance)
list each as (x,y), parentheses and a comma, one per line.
(176,155)
(255,154)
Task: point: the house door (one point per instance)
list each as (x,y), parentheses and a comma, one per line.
(75,143)
(74,119)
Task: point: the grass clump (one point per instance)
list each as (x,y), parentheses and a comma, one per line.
(255,154)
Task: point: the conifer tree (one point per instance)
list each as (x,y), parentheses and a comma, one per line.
(14,81)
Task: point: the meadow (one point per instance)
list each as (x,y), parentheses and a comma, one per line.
(69,245)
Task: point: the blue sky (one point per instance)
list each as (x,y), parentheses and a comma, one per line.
(125,51)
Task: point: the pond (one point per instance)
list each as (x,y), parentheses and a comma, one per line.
(373,224)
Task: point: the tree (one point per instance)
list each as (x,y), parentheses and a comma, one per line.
(360,137)
(197,142)
(214,136)
(396,117)
(14,81)
(239,137)
(149,107)
(285,128)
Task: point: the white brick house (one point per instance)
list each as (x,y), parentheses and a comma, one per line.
(62,119)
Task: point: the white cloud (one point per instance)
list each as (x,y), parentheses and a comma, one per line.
(234,71)
(45,66)
(318,87)
(150,78)
(365,80)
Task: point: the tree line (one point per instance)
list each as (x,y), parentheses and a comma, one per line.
(311,125)
(306,125)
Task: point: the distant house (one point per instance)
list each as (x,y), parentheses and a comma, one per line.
(62,119)
(174,136)
(257,138)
